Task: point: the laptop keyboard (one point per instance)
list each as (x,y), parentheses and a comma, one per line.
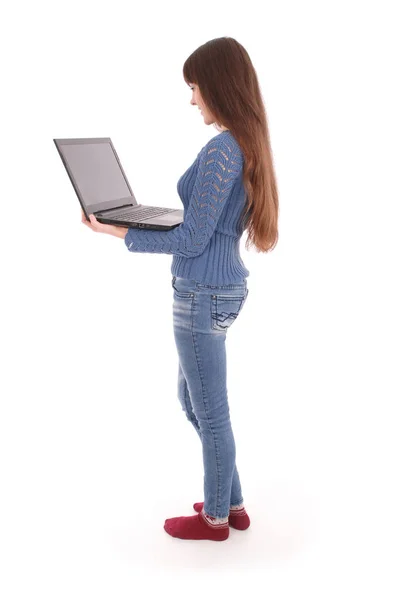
(143,213)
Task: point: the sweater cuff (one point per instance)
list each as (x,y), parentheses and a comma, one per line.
(127,238)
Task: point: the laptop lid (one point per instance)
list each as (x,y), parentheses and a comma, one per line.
(95,173)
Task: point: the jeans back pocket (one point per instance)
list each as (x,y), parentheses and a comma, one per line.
(225,308)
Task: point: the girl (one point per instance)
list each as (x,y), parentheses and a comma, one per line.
(230,187)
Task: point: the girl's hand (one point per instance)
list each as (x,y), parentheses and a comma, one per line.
(98,227)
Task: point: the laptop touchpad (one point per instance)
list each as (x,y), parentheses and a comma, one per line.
(168,218)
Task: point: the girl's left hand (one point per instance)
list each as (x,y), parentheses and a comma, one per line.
(98,227)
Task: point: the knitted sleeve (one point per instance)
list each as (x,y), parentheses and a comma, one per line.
(220,162)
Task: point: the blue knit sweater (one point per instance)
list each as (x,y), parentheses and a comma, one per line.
(205,246)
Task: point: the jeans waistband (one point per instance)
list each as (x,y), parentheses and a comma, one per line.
(195,285)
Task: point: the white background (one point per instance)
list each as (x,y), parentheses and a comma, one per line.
(95,451)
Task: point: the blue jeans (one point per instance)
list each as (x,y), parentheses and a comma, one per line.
(202,314)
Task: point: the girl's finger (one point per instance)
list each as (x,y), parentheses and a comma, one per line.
(96,226)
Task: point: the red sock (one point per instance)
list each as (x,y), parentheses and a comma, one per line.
(196,528)
(239,519)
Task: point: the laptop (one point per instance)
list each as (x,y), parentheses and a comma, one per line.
(103,189)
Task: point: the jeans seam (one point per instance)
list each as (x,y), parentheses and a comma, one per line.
(207,415)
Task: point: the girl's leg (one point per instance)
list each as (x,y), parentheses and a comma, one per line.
(200,336)
(185,401)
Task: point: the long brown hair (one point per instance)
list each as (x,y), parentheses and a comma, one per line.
(229,87)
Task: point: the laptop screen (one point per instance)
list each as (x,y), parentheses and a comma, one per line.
(96,171)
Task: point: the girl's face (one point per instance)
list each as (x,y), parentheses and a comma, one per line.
(197,100)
